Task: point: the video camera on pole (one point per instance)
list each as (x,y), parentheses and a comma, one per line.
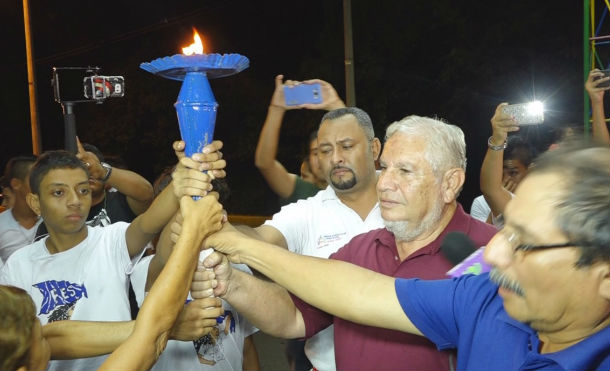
(73,85)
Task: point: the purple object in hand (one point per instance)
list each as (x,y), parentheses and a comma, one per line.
(473,264)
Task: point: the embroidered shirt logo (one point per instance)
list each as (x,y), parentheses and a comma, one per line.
(57,293)
(326,240)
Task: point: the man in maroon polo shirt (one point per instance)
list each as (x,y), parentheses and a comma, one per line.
(422,172)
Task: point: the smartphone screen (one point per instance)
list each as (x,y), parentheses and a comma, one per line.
(303,94)
(531,113)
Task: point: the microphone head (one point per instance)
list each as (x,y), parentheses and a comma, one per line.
(456,246)
(461,251)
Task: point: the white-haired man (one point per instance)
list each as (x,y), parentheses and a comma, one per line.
(422,172)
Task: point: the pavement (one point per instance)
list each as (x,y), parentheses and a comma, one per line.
(270,352)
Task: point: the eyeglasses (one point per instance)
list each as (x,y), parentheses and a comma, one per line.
(514,240)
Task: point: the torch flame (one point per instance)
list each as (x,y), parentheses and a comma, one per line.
(194,48)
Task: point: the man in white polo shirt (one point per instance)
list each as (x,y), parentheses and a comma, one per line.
(322,224)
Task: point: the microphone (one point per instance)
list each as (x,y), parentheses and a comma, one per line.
(461,251)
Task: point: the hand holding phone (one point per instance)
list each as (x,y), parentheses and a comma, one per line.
(303,94)
(603,84)
(531,113)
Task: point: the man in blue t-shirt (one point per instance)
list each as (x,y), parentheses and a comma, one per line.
(544,306)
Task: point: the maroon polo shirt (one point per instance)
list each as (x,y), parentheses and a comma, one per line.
(359,347)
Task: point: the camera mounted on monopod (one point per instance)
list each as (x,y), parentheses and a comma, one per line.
(82,84)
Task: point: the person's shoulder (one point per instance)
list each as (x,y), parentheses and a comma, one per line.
(475,289)
(360,244)
(478,231)
(110,229)
(27,253)
(481,229)
(6,214)
(314,201)
(6,219)
(381,234)
(479,199)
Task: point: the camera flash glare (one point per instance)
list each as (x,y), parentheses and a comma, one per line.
(535,108)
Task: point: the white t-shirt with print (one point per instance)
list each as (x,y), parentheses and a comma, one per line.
(88,282)
(225,350)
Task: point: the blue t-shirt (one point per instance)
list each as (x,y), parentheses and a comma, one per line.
(467,313)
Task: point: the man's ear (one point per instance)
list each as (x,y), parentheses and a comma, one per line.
(604,287)
(33,202)
(453,180)
(376,148)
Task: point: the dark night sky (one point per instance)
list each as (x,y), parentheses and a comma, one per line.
(453,59)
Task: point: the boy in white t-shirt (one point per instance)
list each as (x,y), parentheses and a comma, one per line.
(80,272)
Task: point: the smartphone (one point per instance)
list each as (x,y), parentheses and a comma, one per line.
(84,84)
(102,87)
(303,94)
(531,113)
(604,84)
(68,83)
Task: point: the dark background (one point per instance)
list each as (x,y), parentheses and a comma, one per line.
(452,59)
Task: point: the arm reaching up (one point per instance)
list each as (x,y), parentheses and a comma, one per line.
(491,171)
(596,94)
(166,298)
(279,179)
(137,190)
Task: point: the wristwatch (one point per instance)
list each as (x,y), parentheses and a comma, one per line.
(496,148)
(108,171)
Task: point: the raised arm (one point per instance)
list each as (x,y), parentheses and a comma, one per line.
(596,94)
(279,179)
(339,288)
(137,190)
(491,171)
(167,295)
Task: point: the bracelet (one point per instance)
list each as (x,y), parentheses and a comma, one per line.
(496,148)
(108,171)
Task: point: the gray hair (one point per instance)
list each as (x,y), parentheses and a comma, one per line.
(583,197)
(363,119)
(445,148)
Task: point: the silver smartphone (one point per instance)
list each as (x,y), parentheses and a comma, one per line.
(531,113)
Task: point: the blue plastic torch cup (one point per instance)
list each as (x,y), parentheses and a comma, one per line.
(196,108)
